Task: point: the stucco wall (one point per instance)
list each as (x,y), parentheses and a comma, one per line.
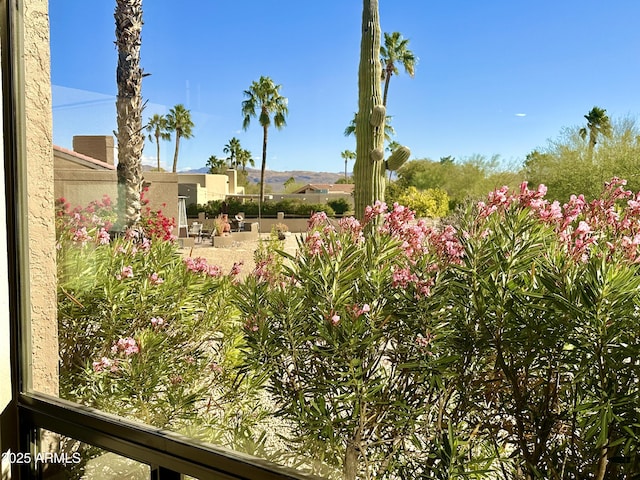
(81,186)
(40,221)
(202,188)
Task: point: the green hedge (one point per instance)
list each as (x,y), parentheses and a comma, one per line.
(269,209)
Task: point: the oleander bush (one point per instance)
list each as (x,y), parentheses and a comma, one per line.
(502,345)
(506,346)
(146,334)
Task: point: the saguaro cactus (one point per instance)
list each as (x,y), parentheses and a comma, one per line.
(369,169)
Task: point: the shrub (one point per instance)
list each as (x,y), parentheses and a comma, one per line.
(269,209)
(508,344)
(145,334)
(340,205)
(431,203)
(545,310)
(358,372)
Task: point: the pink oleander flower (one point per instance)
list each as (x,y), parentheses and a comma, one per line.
(423,288)
(128,346)
(155,279)
(126,272)
(353,227)
(105,364)
(261,271)
(145,246)
(200,265)
(583,228)
(158,322)
(373,211)
(357,310)
(133,234)
(447,245)
(335,319)
(402,277)
(550,213)
(318,219)
(81,236)
(103,237)
(314,243)
(235,269)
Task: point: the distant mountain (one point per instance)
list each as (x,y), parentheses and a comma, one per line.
(276,178)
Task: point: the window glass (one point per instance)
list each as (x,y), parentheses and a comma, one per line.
(149,325)
(62,457)
(197,288)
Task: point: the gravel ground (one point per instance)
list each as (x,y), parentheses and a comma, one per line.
(225,257)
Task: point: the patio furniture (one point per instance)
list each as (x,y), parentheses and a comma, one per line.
(195,231)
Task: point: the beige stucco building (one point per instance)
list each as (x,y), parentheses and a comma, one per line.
(201,188)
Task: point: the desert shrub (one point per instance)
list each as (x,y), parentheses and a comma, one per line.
(545,310)
(269,209)
(339,205)
(431,203)
(506,346)
(359,372)
(146,334)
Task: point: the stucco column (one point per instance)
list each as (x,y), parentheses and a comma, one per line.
(40,203)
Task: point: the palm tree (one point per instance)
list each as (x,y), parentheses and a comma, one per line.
(179,120)
(244,157)
(215,164)
(347,155)
(389,131)
(263,100)
(598,123)
(232,149)
(128,19)
(159,130)
(395,50)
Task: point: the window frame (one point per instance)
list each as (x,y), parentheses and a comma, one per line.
(169,454)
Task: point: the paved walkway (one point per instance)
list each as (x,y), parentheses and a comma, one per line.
(238,252)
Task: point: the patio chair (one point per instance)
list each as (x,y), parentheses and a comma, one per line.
(195,231)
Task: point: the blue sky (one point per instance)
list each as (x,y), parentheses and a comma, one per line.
(497,77)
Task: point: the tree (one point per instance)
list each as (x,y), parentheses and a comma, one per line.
(388,129)
(598,123)
(395,50)
(263,100)
(233,149)
(216,165)
(179,120)
(347,155)
(244,157)
(290,185)
(561,164)
(128,19)
(159,130)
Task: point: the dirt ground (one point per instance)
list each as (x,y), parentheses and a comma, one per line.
(225,257)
